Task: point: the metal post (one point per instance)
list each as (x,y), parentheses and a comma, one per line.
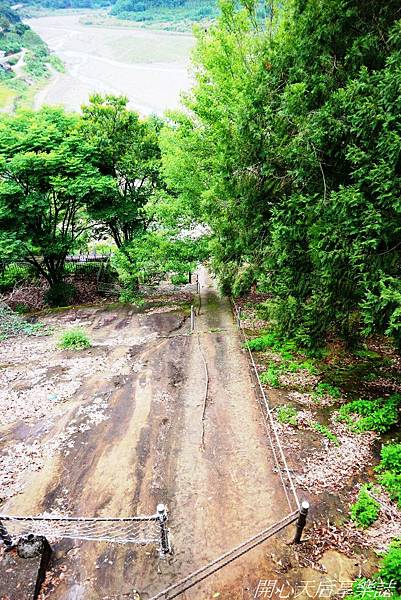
(239,317)
(300,524)
(5,537)
(189,277)
(197,285)
(192,317)
(164,538)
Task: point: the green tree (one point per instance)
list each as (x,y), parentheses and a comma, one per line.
(126,149)
(293,125)
(46,179)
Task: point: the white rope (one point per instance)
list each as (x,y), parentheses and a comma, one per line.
(205,394)
(131,530)
(271,422)
(188,582)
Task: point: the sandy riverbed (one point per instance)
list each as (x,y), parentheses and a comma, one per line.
(149,67)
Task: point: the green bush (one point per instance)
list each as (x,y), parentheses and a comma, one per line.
(390,565)
(390,458)
(271,341)
(368,354)
(179,279)
(271,377)
(392,483)
(128,296)
(14,274)
(57,63)
(376,415)
(309,366)
(287,414)
(365,510)
(263,342)
(389,471)
(60,294)
(74,339)
(325,389)
(386,580)
(326,432)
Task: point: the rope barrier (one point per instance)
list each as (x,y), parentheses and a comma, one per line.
(205,393)
(140,530)
(197,576)
(271,427)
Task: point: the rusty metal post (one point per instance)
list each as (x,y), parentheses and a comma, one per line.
(164,537)
(239,317)
(301,522)
(192,317)
(5,537)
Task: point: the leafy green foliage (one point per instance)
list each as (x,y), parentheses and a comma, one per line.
(153,255)
(365,353)
(74,339)
(11,324)
(14,37)
(365,511)
(14,274)
(180,279)
(390,565)
(47,177)
(271,377)
(387,579)
(325,389)
(174,14)
(292,128)
(378,415)
(126,150)
(287,414)
(389,471)
(271,341)
(325,431)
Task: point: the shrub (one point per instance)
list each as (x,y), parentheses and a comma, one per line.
(309,366)
(392,483)
(386,580)
(271,377)
(60,294)
(390,458)
(263,342)
(365,510)
(74,339)
(14,274)
(179,279)
(390,471)
(287,414)
(128,296)
(325,389)
(376,415)
(390,565)
(271,340)
(326,432)
(368,354)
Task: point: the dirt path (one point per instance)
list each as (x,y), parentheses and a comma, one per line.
(146,447)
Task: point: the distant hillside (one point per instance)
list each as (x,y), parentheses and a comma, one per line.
(24,58)
(167,10)
(145,11)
